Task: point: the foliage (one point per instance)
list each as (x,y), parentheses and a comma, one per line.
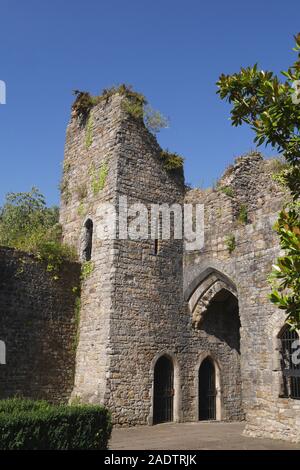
(89,132)
(171,161)
(272,109)
(285,275)
(134,108)
(135,104)
(86,269)
(84,101)
(12,405)
(278,165)
(154,120)
(28,225)
(81,210)
(230,243)
(243,214)
(259,99)
(226,190)
(99,178)
(64,189)
(33,425)
(54,253)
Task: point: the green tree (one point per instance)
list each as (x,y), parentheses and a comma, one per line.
(271,107)
(27,224)
(25,220)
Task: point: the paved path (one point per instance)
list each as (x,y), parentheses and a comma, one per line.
(189,436)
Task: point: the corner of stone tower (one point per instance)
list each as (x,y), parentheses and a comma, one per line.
(109,153)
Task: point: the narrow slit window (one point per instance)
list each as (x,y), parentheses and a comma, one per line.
(2,353)
(88,240)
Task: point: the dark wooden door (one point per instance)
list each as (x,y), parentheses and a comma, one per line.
(207,391)
(163,391)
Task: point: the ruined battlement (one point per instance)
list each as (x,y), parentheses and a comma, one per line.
(246,189)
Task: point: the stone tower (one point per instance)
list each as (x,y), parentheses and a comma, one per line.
(132,295)
(167,333)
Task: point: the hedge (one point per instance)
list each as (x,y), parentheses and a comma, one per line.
(37,425)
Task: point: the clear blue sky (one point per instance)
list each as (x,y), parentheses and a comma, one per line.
(172,51)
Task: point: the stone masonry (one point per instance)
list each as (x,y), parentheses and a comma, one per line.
(142,299)
(38,327)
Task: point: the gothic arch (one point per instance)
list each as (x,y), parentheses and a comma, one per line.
(203,290)
(195,276)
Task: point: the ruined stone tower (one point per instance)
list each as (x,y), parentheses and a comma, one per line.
(136,326)
(166,332)
(131,301)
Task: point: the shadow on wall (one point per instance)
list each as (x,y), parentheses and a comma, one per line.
(222,319)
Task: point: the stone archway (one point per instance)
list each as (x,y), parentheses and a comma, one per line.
(202,296)
(171,358)
(218,390)
(215,317)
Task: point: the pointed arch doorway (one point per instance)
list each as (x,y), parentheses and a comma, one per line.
(163,391)
(207,391)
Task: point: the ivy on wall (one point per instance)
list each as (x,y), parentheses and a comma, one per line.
(89,132)
(98,177)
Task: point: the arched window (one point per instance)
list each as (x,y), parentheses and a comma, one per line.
(290,362)
(87,240)
(2,353)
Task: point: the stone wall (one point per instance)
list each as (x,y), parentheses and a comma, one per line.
(133,308)
(37,324)
(148,316)
(247,267)
(141,299)
(81,201)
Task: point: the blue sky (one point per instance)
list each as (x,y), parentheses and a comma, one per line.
(172,51)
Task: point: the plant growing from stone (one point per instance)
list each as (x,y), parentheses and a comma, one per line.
(230,243)
(226,190)
(171,161)
(271,107)
(243,214)
(99,177)
(89,132)
(86,269)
